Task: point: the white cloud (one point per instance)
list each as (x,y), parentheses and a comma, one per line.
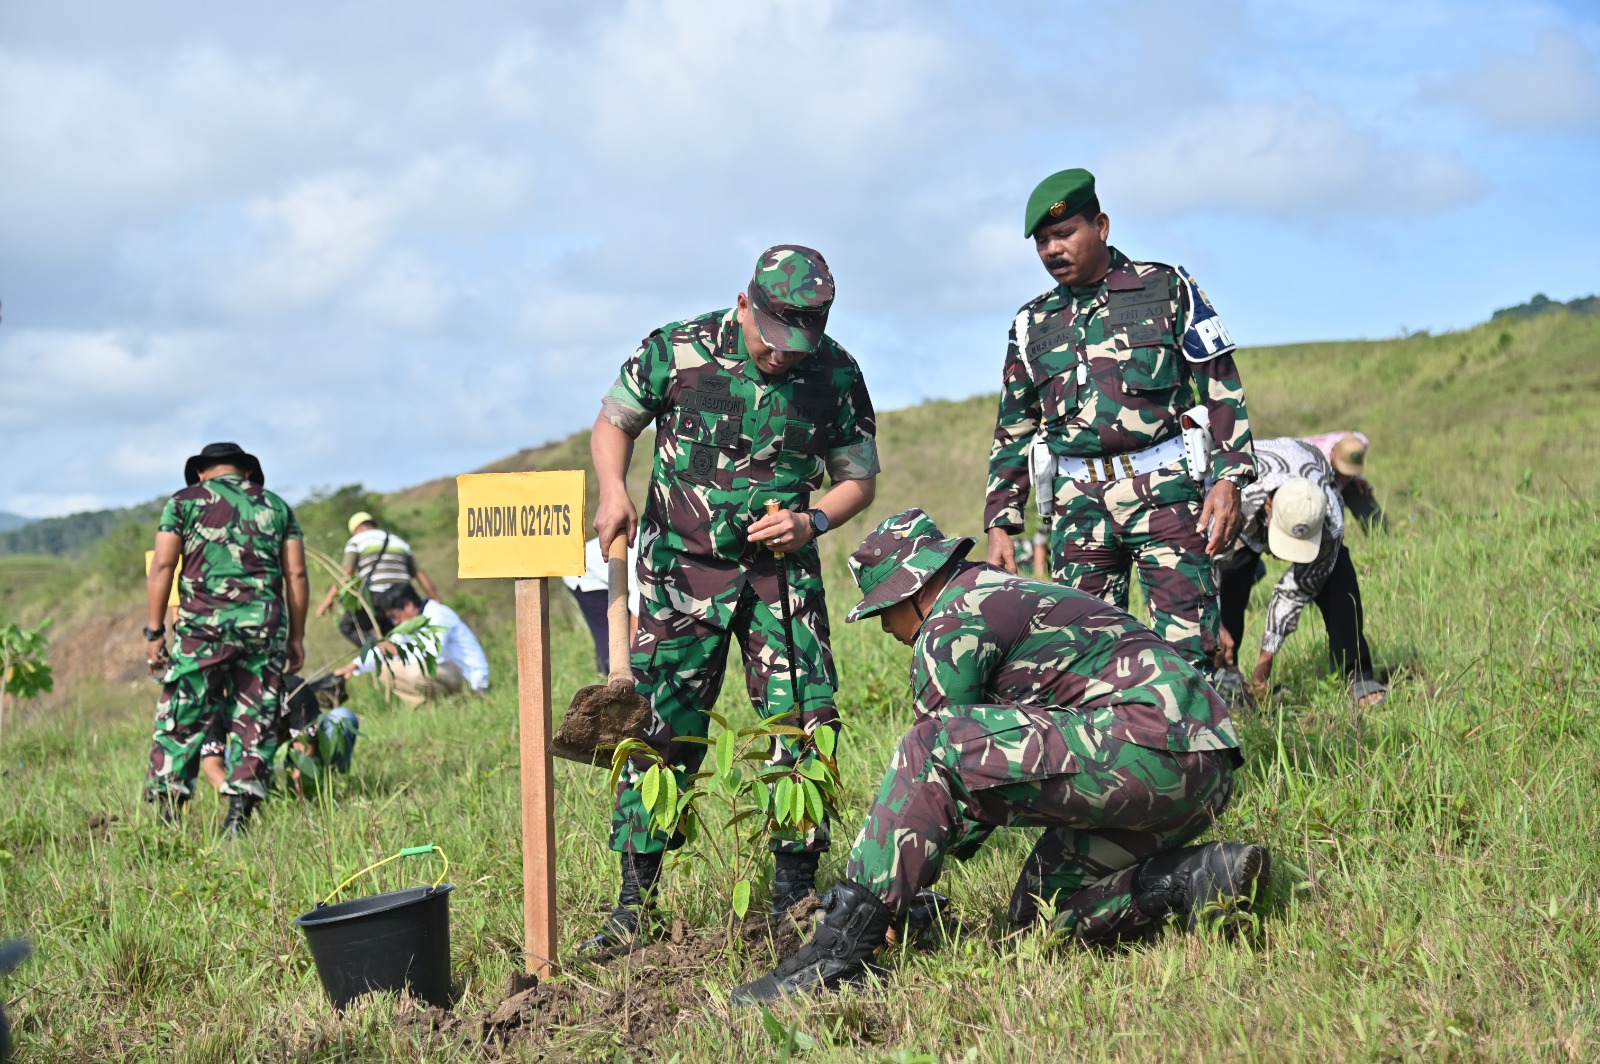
(91,145)
(31,504)
(94,379)
(1300,160)
(1553,89)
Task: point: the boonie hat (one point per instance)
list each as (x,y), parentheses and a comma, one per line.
(215,454)
(1350,456)
(357,519)
(1299,509)
(790,293)
(898,557)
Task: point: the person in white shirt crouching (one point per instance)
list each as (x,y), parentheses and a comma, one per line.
(461,662)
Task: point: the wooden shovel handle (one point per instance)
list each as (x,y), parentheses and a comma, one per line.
(773,506)
(617,609)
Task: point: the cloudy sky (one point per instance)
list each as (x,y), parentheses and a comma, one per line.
(386,241)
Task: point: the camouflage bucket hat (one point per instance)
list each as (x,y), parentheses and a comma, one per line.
(791,292)
(898,557)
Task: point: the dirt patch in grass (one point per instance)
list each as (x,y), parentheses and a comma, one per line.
(629,998)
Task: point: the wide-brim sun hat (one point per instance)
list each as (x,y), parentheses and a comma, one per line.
(1350,457)
(898,557)
(215,454)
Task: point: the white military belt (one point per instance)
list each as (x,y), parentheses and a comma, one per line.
(1167,455)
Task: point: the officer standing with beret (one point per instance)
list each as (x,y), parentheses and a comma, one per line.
(750,404)
(1120,402)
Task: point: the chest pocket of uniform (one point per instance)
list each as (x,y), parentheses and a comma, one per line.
(708,448)
(1152,367)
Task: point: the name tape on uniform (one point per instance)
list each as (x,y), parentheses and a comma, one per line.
(520,524)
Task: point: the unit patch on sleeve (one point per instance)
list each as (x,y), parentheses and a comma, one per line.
(1206,337)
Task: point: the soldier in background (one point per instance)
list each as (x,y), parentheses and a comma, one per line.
(751,403)
(241,620)
(1035,705)
(1103,375)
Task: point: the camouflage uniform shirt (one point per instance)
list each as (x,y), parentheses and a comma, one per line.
(1106,369)
(231,585)
(727,439)
(991,637)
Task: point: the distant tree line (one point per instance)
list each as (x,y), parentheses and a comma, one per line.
(75,533)
(1543,304)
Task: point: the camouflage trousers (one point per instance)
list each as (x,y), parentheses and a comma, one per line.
(678,665)
(216,687)
(1100,531)
(1106,806)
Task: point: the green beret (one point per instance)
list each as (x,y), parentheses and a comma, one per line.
(1058,196)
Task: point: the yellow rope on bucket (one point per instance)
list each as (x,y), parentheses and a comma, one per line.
(409,851)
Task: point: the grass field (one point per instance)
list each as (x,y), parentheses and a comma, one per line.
(1435,896)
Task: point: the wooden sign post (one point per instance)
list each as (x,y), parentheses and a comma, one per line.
(529,527)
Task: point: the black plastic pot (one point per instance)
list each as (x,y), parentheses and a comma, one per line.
(394,941)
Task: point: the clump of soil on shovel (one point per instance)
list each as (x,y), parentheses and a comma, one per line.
(601,716)
(658,981)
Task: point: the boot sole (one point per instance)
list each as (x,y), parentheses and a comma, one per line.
(1233,883)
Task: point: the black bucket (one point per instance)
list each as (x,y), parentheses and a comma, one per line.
(394,941)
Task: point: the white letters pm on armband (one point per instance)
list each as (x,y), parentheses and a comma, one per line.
(1206,337)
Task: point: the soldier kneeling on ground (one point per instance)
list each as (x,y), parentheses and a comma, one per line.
(1036,705)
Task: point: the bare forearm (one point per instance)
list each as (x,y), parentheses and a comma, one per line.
(846,499)
(612,451)
(427,584)
(296,588)
(157,589)
(158,585)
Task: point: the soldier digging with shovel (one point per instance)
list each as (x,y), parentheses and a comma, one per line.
(751,403)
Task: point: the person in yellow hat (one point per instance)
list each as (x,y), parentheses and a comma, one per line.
(375,559)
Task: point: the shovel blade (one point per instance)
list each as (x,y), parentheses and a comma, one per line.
(601,716)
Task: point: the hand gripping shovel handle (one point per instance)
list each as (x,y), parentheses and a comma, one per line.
(617,610)
(773,506)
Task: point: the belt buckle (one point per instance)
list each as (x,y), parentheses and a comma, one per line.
(1127,464)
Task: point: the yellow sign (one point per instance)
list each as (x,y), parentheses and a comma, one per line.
(150,556)
(520,524)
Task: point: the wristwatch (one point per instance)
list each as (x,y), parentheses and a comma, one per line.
(819,522)
(152,634)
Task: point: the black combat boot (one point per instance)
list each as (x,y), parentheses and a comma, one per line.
(794,877)
(640,874)
(240,807)
(1198,881)
(929,923)
(853,925)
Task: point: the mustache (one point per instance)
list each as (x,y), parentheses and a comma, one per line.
(1057,263)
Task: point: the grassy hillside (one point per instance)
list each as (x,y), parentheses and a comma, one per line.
(1434,895)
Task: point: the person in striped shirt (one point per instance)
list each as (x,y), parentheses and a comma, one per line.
(376,560)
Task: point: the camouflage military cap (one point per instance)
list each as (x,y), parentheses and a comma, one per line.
(791,292)
(1061,194)
(898,557)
